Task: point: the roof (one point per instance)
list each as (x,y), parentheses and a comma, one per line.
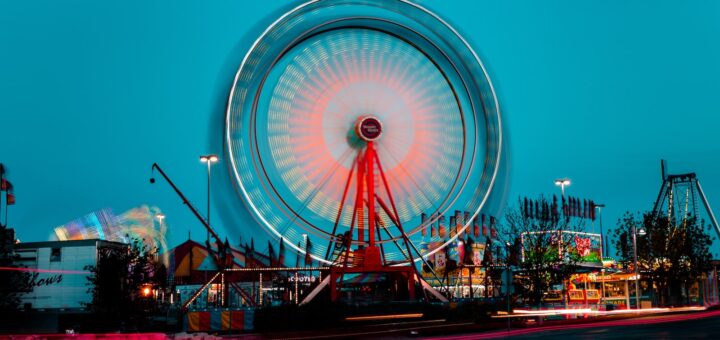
(72,243)
(193,256)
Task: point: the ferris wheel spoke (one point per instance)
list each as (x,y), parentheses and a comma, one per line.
(304,204)
(411,177)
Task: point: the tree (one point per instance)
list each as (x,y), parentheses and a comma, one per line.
(117,280)
(673,254)
(12,282)
(532,238)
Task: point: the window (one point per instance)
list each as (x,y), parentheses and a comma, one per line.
(55,255)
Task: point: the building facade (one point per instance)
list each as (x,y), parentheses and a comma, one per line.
(58,272)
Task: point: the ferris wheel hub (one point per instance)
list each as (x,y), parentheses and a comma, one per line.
(368,128)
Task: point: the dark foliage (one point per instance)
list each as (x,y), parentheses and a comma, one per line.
(116,282)
(673,254)
(532,242)
(12,282)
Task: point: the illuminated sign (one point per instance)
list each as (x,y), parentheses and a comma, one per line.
(303,279)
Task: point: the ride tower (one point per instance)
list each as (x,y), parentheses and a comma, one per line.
(681,197)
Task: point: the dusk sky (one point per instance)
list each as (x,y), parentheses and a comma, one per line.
(93,92)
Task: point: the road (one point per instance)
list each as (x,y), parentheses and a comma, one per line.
(699,325)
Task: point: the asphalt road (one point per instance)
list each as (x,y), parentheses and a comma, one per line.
(699,325)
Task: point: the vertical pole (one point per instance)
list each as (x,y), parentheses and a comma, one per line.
(627,294)
(359,198)
(637,272)
(602,298)
(370,161)
(707,207)
(296,287)
(507,292)
(603,246)
(260,292)
(222,290)
(208,198)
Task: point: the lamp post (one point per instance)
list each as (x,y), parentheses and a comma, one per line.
(509,280)
(562,182)
(160,217)
(209,159)
(636,232)
(602,237)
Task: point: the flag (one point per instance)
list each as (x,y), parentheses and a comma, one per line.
(228,254)
(308,250)
(513,257)
(468,252)
(460,251)
(466,219)
(459,223)
(452,226)
(271,254)
(592,210)
(250,255)
(493,231)
(484,227)
(587,209)
(423,224)
(281,253)
(488,257)
(10,198)
(476,227)
(4,184)
(530,209)
(441,227)
(434,221)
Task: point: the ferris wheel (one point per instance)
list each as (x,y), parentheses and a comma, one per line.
(361,124)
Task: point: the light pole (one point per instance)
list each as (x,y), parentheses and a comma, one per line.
(636,232)
(209,159)
(602,237)
(509,280)
(160,217)
(562,182)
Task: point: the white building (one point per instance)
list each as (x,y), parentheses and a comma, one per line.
(58,274)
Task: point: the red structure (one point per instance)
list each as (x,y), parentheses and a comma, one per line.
(368,256)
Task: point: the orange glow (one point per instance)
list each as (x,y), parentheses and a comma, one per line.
(384,317)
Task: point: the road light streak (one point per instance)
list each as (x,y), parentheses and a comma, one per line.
(384,317)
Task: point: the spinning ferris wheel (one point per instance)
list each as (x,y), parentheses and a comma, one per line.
(358,124)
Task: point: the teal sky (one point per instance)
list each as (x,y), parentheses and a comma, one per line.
(93,92)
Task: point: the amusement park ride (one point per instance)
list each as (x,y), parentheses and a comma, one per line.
(678,198)
(347,122)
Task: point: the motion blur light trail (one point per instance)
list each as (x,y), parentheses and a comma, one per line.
(601,324)
(53,271)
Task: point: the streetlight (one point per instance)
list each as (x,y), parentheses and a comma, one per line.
(636,232)
(509,280)
(161,218)
(562,182)
(209,159)
(602,237)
